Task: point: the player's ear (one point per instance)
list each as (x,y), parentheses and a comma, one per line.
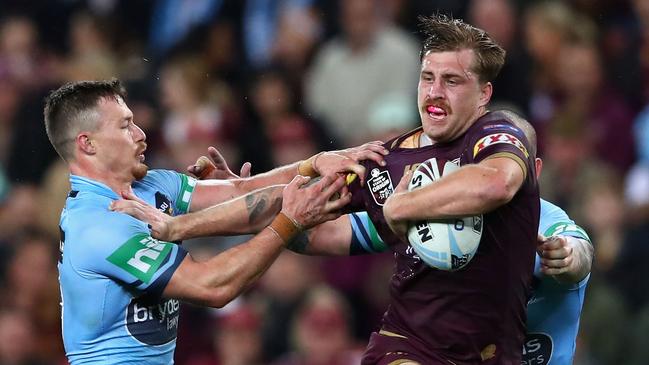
(538,165)
(85,143)
(486,90)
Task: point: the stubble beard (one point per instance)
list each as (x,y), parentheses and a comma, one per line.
(140,171)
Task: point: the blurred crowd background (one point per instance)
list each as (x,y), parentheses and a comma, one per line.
(275,81)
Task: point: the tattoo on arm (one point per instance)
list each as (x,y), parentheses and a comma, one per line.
(256,204)
(259,204)
(299,243)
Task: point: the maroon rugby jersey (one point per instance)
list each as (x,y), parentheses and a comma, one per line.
(477,312)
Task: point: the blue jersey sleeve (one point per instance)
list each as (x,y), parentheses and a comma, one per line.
(365,238)
(555,222)
(178,187)
(127,254)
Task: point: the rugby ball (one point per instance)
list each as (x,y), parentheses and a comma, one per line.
(448,244)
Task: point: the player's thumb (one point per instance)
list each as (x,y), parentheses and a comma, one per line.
(299,181)
(245,170)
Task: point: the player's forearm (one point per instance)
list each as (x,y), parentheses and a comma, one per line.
(231,272)
(582,261)
(473,189)
(281,175)
(246,214)
(321,241)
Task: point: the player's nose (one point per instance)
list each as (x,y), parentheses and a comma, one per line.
(138,134)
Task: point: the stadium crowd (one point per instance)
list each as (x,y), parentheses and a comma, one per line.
(275,81)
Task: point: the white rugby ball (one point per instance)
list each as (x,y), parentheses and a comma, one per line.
(443,244)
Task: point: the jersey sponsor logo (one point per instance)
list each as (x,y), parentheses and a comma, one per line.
(163,203)
(153,322)
(380,185)
(537,349)
(566,229)
(141,256)
(498,138)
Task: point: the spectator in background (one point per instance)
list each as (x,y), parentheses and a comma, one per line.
(280,298)
(92,56)
(236,339)
(584,93)
(172,20)
(548,26)
(637,179)
(569,164)
(291,135)
(193,119)
(321,333)
(21,59)
(262,21)
(17,340)
(351,73)
(298,33)
(32,281)
(499,18)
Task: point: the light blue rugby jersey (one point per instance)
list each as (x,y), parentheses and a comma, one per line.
(112,274)
(554,310)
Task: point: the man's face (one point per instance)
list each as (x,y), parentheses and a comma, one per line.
(119,142)
(450,96)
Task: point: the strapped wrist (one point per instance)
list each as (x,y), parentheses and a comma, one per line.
(307,167)
(285,227)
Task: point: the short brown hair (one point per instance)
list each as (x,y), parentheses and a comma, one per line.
(443,33)
(68,110)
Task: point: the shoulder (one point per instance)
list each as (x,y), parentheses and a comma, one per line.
(97,231)
(409,139)
(500,120)
(498,131)
(154,177)
(551,211)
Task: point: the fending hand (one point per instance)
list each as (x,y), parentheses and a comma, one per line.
(159,222)
(556,254)
(215,167)
(347,160)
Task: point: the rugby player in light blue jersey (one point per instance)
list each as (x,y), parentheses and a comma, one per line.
(121,288)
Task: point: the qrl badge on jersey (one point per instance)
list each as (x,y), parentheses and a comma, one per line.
(380,185)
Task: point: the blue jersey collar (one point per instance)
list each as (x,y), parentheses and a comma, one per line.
(80,183)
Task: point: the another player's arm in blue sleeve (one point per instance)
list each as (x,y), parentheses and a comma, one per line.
(247,214)
(351,234)
(567,254)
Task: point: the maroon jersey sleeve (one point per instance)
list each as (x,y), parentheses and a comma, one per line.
(497,137)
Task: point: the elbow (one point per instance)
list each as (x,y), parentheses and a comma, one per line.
(498,191)
(219,297)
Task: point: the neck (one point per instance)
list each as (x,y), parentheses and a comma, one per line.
(116,183)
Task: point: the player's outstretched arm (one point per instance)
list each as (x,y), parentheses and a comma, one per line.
(332,238)
(568,259)
(472,189)
(247,214)
(217,281)
(209,192)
